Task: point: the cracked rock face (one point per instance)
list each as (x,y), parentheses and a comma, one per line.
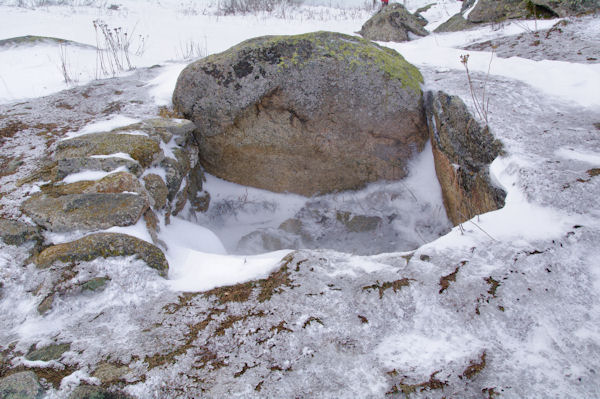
(462,151)
(308,114)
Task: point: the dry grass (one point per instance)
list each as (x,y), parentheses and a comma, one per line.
(382,287)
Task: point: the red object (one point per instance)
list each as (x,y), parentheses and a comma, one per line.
(385,2)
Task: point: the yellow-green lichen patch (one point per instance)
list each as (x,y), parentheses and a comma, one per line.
(407,389)
(104,245)
(475,367)
(299,50)
(276,280)
(381,287)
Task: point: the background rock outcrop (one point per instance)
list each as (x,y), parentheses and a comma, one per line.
(308,114)
(393,24)
(500,10)
(462,152)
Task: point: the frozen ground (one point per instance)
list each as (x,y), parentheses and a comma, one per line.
(583,37)
(508,305)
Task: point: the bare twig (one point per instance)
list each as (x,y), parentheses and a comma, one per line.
(64,64)
(481,101)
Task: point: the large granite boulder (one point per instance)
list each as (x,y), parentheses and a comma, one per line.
(308,114)
(393,24)
(462,151)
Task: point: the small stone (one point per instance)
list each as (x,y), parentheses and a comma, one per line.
(46,304)
(157,189)
(92,392)
(95,284)
(293,226)
(13,232)
(107,372)
(23,385)
(47,353)
(358,223)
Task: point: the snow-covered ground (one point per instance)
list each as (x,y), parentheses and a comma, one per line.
(544,112)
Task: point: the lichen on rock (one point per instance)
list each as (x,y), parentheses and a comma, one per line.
(463,151)
(393,24)
(104,245)
(326,111)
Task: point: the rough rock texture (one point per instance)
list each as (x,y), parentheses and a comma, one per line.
(113,183)
(495,10)
(456,23)
(13,232)
(462,152)
(85,211)
(93,392)
(68,166)
(141,148)
(580,32)
(311,113)
(104,245)
(393,24)
(47,353)
(157,189)
(500,10)
(107,372)
(23,385)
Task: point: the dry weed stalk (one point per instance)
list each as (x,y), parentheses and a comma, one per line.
(113,49)
(64,64)
(481,100)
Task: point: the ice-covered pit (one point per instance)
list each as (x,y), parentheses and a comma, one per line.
(383,217)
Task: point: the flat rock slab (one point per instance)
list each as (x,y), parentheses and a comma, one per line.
(47,353)
(308,114)
(104,245)
(118,182)
(140,147)
(69,166)
(94,211)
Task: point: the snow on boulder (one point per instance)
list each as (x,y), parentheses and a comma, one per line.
(393,24)
(308,114)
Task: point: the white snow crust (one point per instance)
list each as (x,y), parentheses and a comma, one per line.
(538,328)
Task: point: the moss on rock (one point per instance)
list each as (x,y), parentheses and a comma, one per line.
(327,111)
(141,148)
(104,245)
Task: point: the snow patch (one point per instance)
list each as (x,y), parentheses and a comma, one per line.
(419,355)
(90,175)
(592,158)
(121,155)
(104,126)
(199,271)
(163,85)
